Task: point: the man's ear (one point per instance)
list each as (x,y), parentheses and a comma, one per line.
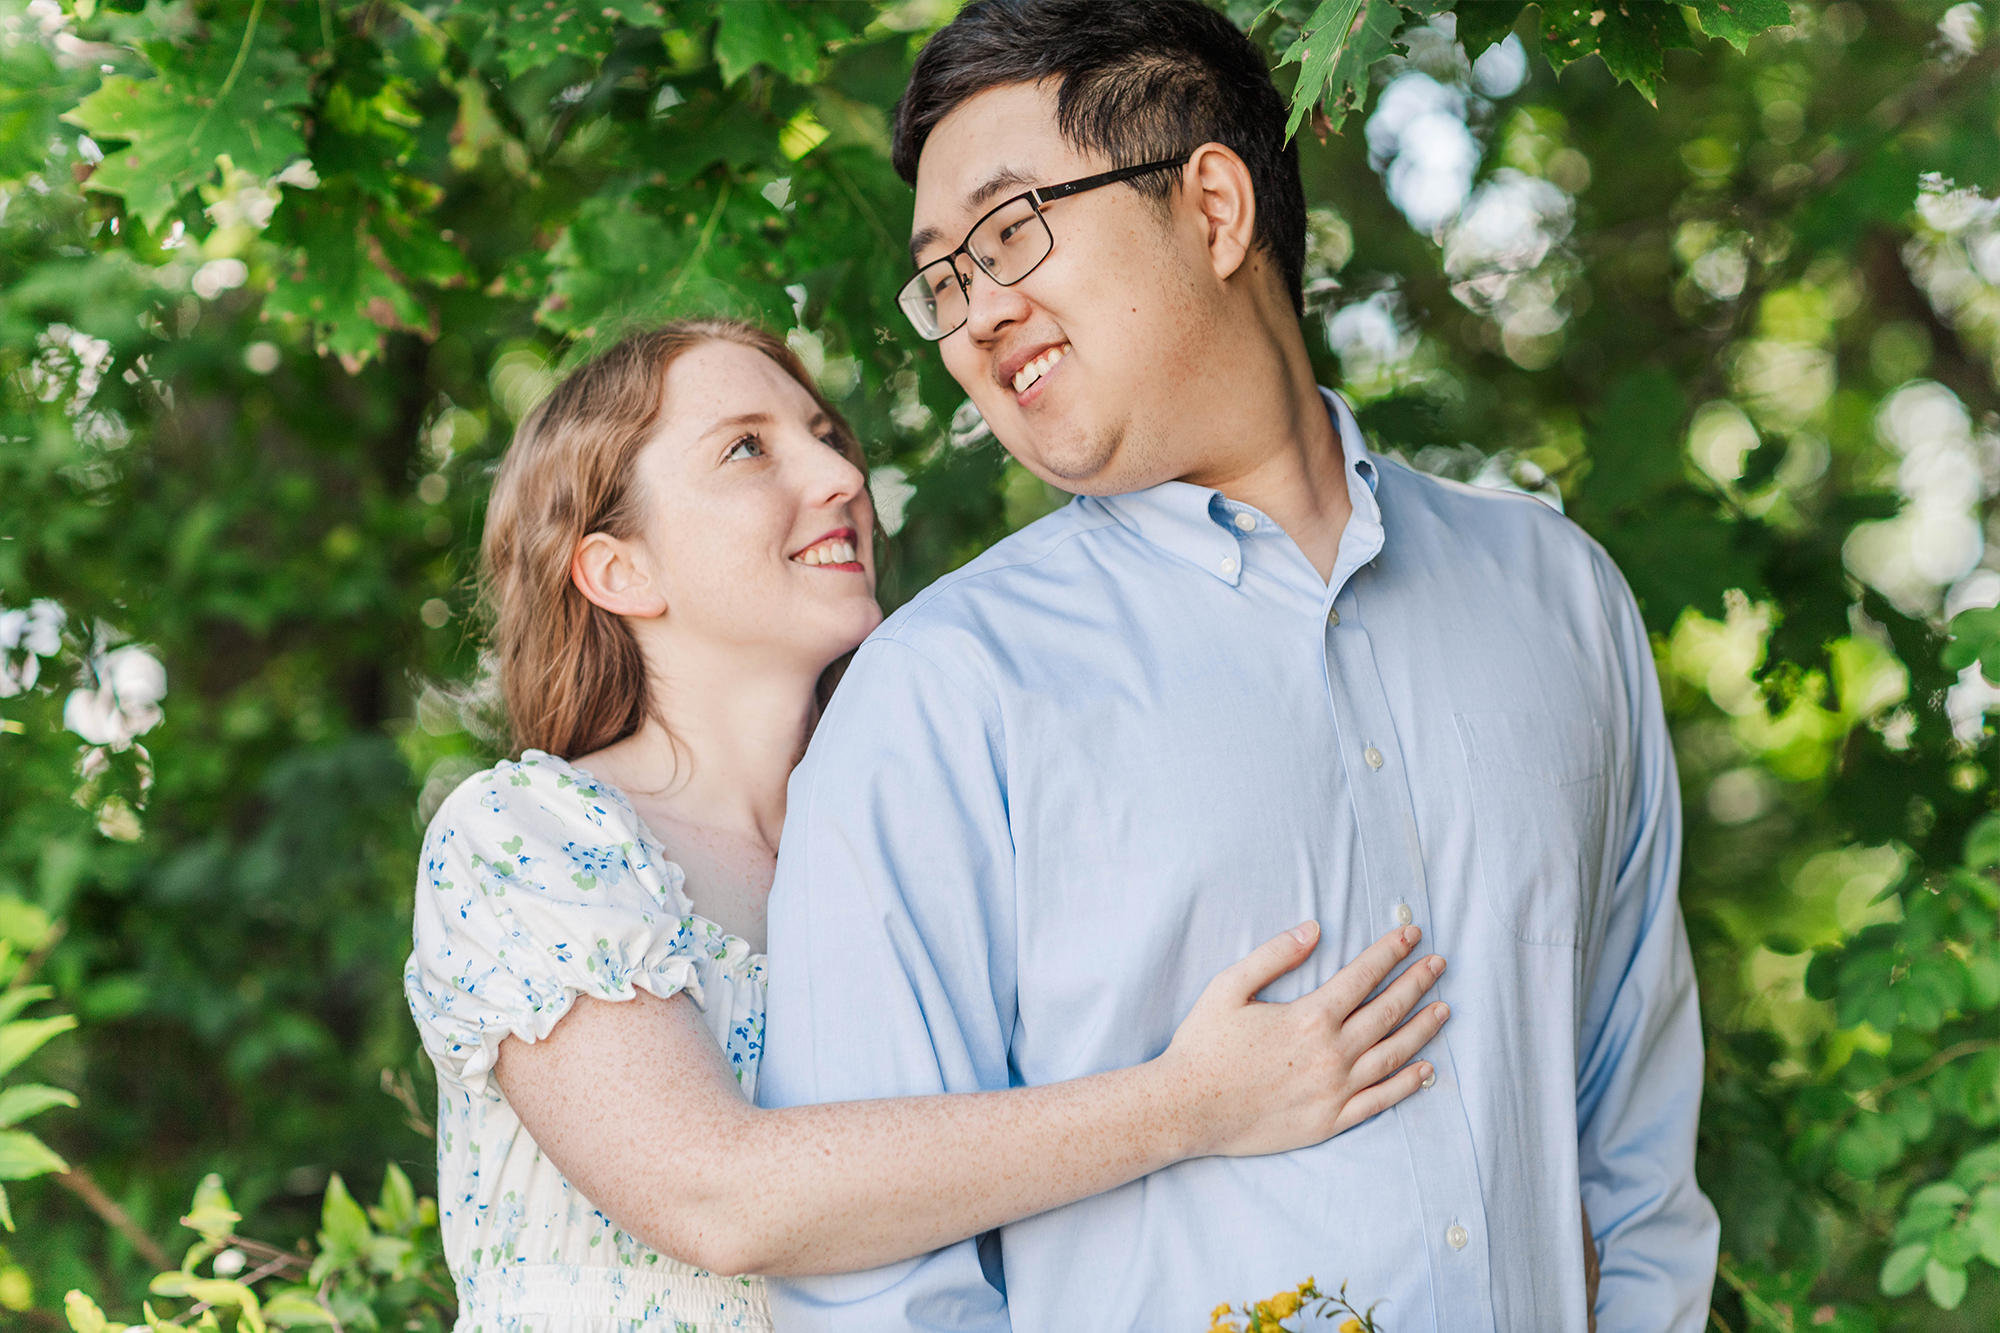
(615,574)
(1219,184)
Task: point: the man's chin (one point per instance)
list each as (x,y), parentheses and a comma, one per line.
(1077,468)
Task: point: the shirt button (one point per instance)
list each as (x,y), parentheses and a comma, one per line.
(1333,616)
(1456,1236)
(1404,915)
(1430,1080)
(1373,756)
(1228,565)
(1246,522)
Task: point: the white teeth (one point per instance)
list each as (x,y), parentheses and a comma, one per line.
(827,553)
(1039,367)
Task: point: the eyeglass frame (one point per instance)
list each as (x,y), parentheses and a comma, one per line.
(1044,194)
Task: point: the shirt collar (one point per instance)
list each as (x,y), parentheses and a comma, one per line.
(1195,522)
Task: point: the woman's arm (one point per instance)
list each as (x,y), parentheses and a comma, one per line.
(634,1104)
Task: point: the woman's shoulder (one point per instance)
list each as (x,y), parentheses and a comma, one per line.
(540,817)
(539,787)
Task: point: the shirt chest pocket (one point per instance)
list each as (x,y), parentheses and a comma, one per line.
(1539,808)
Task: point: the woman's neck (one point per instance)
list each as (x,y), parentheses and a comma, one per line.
(734,731)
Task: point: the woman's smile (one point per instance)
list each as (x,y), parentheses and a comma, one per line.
(836,550)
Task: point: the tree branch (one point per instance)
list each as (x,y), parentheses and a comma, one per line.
(79,1182)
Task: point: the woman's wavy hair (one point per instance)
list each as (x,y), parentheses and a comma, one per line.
(570,673)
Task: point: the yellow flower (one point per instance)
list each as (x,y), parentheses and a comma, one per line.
(1284,1305)
(1215,1315)
(1350,1326)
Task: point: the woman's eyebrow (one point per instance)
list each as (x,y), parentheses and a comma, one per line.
(737,422)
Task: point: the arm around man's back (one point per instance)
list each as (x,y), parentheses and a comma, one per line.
(891,941)
(1640,1080)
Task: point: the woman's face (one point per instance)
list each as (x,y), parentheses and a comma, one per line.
(759,528)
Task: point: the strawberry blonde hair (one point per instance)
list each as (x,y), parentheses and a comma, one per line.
(569,672)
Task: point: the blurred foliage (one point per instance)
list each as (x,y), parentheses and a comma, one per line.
(378,1267)
(277,280)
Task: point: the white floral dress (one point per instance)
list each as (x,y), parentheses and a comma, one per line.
(540,884)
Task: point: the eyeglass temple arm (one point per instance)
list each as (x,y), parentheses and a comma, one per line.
(1068,188)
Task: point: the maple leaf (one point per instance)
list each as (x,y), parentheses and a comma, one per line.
(534,33)
(1336,48)
(235,99)
(760,32)
(1631,36)
(344,284)
(1737,21)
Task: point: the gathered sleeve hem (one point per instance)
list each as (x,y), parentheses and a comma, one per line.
(538,885)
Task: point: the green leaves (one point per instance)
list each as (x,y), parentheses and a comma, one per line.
(1737,21)
(237,95)
(31,100)
(1632,37)
(212,1213)
(761,32)
(534,33)
(23,1037)
(26,1099)
(1975,637)
(23,1156)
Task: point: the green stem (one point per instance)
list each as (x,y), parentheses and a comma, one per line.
(235,68)
(1754,1303)
(701,246)
(1923,1071)
(242,51)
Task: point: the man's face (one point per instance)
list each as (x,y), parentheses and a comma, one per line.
(1078,366)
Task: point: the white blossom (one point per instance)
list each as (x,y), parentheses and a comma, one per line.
(26,636)
(125,703)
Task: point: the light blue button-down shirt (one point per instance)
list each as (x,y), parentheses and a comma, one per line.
(1071,781)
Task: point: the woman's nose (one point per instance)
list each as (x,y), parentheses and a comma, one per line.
(834,479)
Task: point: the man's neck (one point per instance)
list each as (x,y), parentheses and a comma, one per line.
(1286,457)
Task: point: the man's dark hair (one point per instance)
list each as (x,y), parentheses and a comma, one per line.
(1141,80)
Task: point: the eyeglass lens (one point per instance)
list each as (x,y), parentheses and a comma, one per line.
(1008,243)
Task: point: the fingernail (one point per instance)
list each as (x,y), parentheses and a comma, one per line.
(1443,1012)
(1411,934)
(1430,1076)
(1304,931)
(1437,964)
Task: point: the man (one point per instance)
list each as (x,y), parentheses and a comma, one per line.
(1254,674)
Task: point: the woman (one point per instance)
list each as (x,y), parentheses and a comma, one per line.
(678,548)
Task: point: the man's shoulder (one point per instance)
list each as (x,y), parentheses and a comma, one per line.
(1490,515)
(1037,556)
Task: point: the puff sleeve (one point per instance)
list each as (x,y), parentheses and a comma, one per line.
(538,885)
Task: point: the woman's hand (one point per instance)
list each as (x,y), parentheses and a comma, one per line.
(1256,1077)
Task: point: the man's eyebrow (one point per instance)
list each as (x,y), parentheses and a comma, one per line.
(1001,179)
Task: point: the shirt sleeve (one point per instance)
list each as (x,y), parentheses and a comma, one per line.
(535,889)
(1639,1080)
(891,931)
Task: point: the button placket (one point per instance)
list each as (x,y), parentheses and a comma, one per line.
(1436,1131)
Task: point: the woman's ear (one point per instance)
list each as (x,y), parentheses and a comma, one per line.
(615,574)
(1220,184)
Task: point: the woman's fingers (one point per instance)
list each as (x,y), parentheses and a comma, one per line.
(1347,988)
(1381,1096)
(1376,1019)
(1243,980)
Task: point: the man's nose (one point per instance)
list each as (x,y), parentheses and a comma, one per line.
(990,307)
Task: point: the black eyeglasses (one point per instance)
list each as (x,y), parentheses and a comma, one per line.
(1007,244)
